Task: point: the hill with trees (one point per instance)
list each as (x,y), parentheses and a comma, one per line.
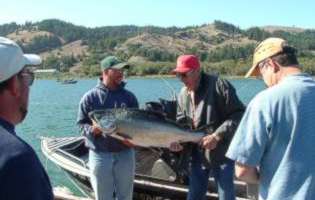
(222,47)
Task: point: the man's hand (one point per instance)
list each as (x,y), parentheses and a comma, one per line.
(96,130)
(176,147)
(210,141)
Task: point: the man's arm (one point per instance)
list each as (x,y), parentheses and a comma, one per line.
(246,173)
(134,101)
(231,107)
(87,127)
(231,110)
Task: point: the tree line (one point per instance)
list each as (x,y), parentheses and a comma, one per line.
(102,41)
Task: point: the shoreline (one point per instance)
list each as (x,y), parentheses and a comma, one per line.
(65,77)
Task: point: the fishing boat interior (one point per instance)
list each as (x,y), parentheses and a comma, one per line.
(160,174)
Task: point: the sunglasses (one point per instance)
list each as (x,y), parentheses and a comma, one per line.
(185,75)
(28,76)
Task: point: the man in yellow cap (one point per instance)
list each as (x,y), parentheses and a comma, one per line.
(274,143)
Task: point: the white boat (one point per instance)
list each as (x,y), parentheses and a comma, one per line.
(154,178)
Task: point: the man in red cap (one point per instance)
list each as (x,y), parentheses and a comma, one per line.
(208,103)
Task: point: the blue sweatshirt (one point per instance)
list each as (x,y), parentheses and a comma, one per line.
(100,97)
(22,176)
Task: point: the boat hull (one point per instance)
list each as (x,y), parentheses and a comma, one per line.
(154,179)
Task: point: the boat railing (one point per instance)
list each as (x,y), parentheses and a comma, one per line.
(53,146)
(73,157)
(57,146)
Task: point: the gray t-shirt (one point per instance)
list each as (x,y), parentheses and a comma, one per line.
(277,133)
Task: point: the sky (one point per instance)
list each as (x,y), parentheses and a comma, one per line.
(164,13)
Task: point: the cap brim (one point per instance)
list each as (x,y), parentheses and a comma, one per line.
(32,59)
(180,70)
(121,66)
(253,72)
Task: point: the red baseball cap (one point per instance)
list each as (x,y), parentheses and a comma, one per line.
(186,63)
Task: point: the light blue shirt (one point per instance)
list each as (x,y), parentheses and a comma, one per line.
(277,133)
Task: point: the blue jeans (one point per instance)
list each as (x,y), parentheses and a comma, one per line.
(199,178)
(112,172)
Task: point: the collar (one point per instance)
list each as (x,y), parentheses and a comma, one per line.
(7,126)
(296,76)
(198,85)
(200,82)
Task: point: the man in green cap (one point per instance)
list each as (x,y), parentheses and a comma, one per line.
(111,162)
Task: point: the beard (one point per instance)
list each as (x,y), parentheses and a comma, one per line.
(23,111)
(118,80)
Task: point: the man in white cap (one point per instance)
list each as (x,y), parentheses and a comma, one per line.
(274,143)
(22,176)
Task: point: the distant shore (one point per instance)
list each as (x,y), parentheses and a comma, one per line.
(78,77)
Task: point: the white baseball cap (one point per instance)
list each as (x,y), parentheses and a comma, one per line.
(13,60)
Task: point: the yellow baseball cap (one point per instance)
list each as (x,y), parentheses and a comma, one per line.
(267,48)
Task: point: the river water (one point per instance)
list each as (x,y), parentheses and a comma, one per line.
(53,109)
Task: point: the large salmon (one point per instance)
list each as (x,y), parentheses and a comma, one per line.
(142,128)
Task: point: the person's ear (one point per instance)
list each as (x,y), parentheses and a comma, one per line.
(275,66)
(14,86)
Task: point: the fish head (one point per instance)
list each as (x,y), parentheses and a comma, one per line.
(108,125)
(114,120)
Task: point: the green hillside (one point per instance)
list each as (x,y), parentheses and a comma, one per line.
(222,47)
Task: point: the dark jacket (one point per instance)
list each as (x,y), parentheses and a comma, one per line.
(22,175)
(100,97)
(218,110)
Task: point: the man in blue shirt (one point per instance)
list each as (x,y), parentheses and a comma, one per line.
(22,177)
(274,143)
(111,162)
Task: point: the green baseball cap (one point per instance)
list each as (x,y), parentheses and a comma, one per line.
(112,62)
